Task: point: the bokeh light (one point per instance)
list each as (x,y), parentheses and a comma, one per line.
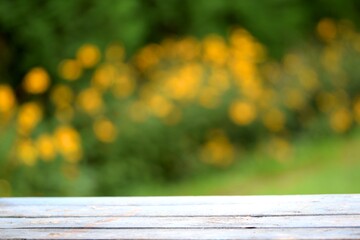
(104,118)
(36,81)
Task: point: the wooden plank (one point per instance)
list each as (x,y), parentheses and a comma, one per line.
(191,200)
(292,233)
(330,221)
(248,209)
(252,217)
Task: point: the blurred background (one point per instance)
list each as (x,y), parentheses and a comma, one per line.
(176,97)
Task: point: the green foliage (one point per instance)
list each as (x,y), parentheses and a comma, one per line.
(318,166)
(174,111)
(42,33)
(80,117)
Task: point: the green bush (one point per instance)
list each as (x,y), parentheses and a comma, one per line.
(173,110)
(38,33)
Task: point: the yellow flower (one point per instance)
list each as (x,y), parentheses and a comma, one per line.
(104,76)
(159,105)
(187,49)
(70,69)
(68,143)
(36,81)
(90,101)
(274,120)
(242,113)
(105,130)
(218,150)
(245,47)
(62,95)
(26,152)
(88,55)
(184,84)
(124,85)
(219,79)
(7,98)
(28,117)
(215,50)
(244,72)
(341,120)
(148,57)
(45,147)
(326,29)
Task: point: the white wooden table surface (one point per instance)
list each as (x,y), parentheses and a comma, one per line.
(218,217)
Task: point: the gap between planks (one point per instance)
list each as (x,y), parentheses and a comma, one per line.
(295,233)
(186,222)
(264,209)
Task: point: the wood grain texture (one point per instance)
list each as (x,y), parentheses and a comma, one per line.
(336,221)
(245,209)
(218,217)
(304,233)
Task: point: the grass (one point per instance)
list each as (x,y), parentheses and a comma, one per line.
(316,166)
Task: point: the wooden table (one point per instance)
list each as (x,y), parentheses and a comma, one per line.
(232,217)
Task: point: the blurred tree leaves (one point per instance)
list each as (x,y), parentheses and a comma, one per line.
(176,109)
(42,33)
